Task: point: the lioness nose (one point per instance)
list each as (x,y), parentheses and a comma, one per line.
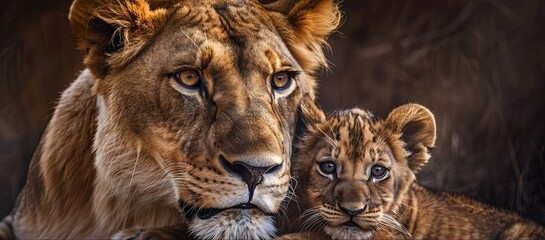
(353,212)
(251,175)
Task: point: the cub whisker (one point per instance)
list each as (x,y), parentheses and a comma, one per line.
(389,221)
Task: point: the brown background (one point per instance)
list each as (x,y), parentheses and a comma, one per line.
(478,65)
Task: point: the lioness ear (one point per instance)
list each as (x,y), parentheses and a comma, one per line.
(308,23)
(415,126)
(312,115)
(110,33)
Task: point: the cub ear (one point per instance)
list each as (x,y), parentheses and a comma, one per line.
(415,126)
(110,33)
(312,115)
(307,25)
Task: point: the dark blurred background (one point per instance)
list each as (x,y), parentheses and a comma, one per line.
(478,65)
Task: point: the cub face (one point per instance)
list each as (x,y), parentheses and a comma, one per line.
(353,168)
(198,102)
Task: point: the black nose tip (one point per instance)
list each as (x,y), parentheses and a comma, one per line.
(353,212)
(251,175)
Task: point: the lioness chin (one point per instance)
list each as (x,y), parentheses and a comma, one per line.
(182,121)
(356,177)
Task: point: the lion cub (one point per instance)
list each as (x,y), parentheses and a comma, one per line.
(356,176)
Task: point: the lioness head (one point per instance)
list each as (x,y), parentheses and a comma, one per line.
(355,169)
(198,102)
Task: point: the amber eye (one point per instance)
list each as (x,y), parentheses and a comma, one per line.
(328,167)
(281,80)
(189,79)
(378,172)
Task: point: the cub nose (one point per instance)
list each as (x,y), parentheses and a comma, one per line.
(251,175)
(353,212)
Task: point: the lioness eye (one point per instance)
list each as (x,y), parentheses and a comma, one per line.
(328,167)
(281,80)
(378,172)
(189,79)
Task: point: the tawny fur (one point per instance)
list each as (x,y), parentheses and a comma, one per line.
(395,207)
(129,149)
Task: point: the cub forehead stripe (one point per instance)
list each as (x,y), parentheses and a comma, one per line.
(355,130)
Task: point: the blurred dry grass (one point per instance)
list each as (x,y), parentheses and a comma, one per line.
(478,65)
(37,61)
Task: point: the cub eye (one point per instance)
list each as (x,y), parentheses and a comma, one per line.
(189,79)
(328,167)
(378,172)
(281,80)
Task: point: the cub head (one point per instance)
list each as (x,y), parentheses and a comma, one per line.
(198,102)
(354,170)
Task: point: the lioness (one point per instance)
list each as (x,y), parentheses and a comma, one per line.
(356,175)
(184,115)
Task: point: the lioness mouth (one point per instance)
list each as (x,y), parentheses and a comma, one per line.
(206,213)
(351,224)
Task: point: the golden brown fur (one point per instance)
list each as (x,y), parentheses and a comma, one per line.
(354,198)
(133,152)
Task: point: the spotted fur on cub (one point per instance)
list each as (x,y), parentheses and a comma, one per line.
(356,177)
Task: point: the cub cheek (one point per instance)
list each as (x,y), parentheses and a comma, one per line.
(382,196)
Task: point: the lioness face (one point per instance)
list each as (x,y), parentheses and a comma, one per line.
(353,168)
(206,112)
